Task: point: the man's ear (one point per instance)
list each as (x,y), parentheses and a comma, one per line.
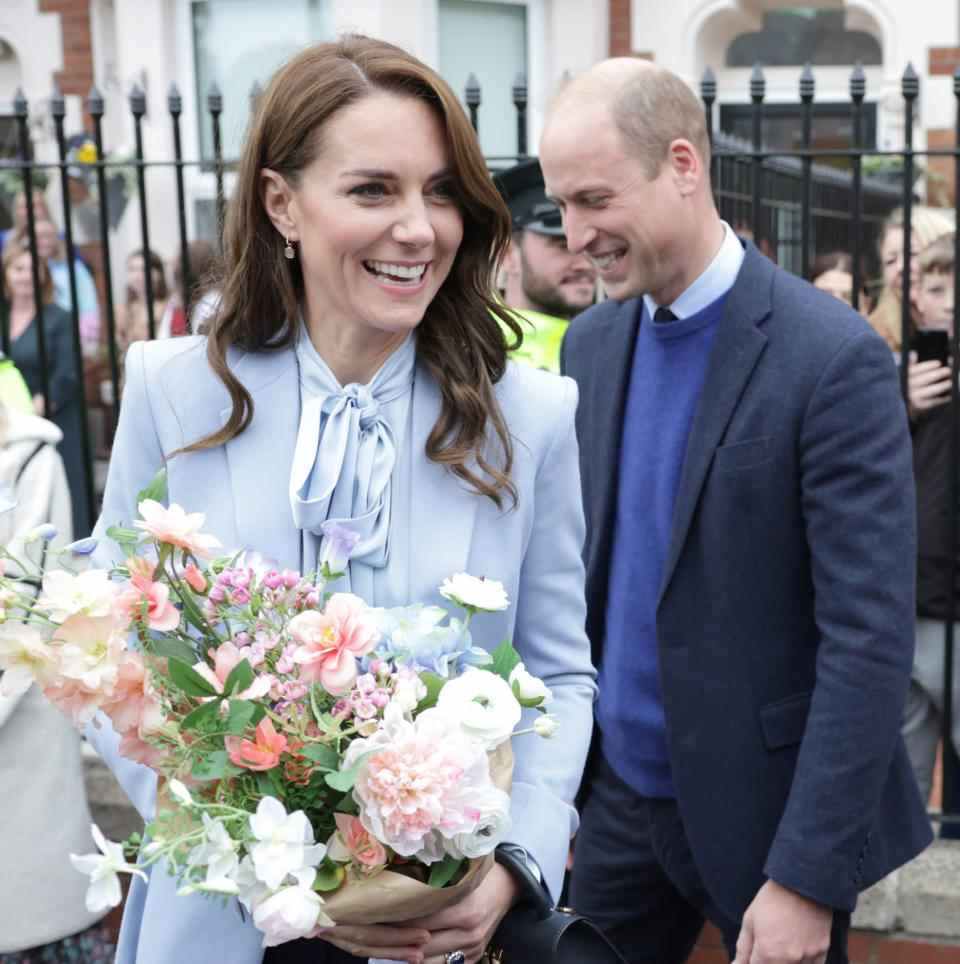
(278,202)
(686,166)
(512,264)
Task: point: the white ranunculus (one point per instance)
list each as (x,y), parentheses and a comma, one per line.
(284,842)
(492,826)
(545,726)
(529,687)
(483,704)
(475,592)
(291,912)
(102,869)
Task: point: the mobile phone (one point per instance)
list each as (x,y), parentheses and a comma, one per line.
(932,346)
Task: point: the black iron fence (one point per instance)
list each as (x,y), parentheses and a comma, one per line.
(795,202)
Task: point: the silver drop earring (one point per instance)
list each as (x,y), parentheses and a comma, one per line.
(288,251)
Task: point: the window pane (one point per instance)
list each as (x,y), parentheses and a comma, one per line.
(489,40)
(241,42)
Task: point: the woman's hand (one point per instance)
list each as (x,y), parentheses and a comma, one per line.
(928,385)
(467,926)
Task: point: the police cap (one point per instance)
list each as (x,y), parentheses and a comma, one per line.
(530,210)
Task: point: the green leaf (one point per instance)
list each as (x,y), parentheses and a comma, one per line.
(433,684)
(126,539)
(326,757)
(198,718)
(346,804)
(156,489)
(186,678)
(167,646)
(241,716)
(214,766)
(241,676)
(505,660)
(343,780)
(329,877)
(443,872)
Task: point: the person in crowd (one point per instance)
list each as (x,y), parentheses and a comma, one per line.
(929,397)
(63,367)
(545,284)
(132,321)
(833,273)
(41,212)
(45,817)
(201,292)
(357,280)
(927,224)
(750,548)
(51,247)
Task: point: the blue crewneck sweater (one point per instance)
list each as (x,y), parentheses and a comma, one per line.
(669,366)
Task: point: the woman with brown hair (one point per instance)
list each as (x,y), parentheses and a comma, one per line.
(62,364)
(132,321)
(355,373)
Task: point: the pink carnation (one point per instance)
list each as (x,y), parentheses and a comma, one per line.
(330,642)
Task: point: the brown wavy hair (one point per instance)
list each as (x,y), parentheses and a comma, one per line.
(459,340)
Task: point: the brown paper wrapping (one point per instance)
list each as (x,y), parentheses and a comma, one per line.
(390,897)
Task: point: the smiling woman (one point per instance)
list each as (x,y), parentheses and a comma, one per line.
(354,401)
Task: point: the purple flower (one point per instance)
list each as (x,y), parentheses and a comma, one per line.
(273,580)
(239,597)
(337,547)
(82,547)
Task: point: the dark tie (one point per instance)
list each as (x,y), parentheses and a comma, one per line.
(663,316)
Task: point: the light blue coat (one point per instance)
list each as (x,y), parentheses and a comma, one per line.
(172,398)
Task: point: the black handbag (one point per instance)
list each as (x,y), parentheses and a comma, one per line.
(535,932)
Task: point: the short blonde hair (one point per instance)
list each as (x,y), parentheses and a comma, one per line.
(656,108)
(938,257)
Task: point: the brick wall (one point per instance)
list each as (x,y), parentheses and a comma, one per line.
(620,28)
(77,74)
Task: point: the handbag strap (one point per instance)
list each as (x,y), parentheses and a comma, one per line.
(531,890)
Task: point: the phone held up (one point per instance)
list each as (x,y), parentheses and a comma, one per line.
(932,345)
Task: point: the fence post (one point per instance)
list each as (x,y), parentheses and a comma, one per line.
(95,109)
(858,90)
(708,94)
(472,96)
(175,107)
(520,102)
(138,107)
(758,89)
(58,111)
(910,87)
(807,87)
(21,112)
(215,106)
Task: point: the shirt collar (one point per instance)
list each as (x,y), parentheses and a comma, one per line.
(716,280)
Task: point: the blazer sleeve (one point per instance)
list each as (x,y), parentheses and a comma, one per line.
(858,502)
(135,459)
(550,636)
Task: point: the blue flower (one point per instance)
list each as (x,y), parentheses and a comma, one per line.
(337,546)
(82,547)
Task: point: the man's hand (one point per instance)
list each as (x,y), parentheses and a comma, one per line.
(782,927)
(928,385)
(466,926)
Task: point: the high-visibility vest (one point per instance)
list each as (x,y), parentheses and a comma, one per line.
(542,335)
(13,389)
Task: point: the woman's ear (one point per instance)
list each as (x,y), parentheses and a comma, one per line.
(278,203)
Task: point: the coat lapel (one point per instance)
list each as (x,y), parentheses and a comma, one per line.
(737,347)
(442,515)
(609,383)
(259,458)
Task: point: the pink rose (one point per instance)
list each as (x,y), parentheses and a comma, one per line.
(330,642)
(353,842)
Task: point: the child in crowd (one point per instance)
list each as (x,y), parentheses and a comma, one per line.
(929,395)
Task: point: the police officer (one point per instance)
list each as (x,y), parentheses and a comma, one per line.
(544,283)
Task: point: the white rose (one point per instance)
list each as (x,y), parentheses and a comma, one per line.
(483,704)
(529,687)
(545,726)
(472,592)
(492,826)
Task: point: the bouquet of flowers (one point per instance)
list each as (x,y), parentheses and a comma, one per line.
(320,760)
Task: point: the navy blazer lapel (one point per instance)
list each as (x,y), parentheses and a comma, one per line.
(612,363)
(736,348)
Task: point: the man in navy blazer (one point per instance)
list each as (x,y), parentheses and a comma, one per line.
(750,549)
